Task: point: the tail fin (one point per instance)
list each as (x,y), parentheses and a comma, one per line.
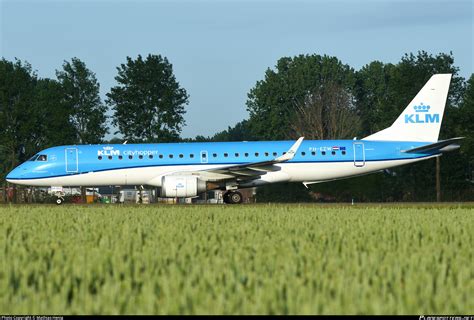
(421,119)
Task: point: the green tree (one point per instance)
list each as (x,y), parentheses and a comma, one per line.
(52,116)
(148,102)
(17,84)
(272,102)
(33,115)
(383,91)
(373,96)
(239,132)
(81,95)
(459,180)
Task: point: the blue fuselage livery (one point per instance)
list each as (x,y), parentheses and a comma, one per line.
(72,160)
(188,169)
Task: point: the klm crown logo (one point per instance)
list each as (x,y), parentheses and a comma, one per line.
(422,108)
(422,115)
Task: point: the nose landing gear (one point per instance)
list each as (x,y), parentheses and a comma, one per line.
(233,197)
(59,193)
(59,200)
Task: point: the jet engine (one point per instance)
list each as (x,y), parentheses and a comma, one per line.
(181,186)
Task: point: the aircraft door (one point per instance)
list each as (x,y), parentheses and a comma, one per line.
(71,160)
(359,154)
(204,156)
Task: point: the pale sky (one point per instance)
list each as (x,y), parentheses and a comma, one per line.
(220,49)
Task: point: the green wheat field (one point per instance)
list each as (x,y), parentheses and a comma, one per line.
(244,259)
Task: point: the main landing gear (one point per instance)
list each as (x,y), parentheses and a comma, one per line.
(233,197)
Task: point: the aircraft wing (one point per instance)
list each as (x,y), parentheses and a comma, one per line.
(240,172)
(251,170)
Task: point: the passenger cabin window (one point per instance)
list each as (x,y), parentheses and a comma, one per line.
(214,155)
(191,155)
(130,157)
(171,156)
(303,153)
(246,154)
(150,156)
(42,157)
(160,156)
(181,155)
(275,154)
(110,157)
(323,153)
(99,157)
(313,153)
(226,155)
(256,154)
(236,154)
(140,157)
(343,152)
(333,153)
(120,157)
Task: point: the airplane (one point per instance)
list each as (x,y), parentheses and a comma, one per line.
(188,169)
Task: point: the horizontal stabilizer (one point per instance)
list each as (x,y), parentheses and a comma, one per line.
(436,146)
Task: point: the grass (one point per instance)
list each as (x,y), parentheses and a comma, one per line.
(277,259)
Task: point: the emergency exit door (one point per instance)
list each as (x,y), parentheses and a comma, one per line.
(71,160)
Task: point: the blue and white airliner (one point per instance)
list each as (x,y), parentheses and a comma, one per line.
(188,169)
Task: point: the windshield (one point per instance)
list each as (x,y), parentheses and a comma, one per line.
(33,158)
(42,157)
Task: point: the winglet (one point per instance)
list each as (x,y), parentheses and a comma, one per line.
(290,153)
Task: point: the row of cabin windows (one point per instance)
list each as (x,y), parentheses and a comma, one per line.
(214,155)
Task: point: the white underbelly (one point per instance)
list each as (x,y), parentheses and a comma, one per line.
(290,172)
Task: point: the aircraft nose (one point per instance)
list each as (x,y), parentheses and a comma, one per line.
(15,174)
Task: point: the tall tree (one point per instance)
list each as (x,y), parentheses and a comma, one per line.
(148,101)
(33,115)
(81,95)
(17,84)
(52,115)
(326,114)
(272,102)
(383,91)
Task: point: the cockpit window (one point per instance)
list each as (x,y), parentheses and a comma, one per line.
(33,158)
(42,157)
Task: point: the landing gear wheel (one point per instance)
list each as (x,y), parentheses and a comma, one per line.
(59,201)
(233,197)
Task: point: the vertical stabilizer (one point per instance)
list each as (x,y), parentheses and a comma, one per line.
(421,119)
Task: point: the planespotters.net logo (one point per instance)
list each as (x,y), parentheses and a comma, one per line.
(446,318)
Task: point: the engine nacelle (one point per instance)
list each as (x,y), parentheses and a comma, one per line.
(181,186)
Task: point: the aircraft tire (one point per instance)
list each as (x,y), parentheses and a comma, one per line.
(59,201)
(235,197)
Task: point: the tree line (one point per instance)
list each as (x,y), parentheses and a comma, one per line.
(315,96)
